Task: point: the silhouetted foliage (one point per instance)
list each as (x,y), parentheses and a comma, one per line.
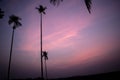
(15,21)
(88,3)
(55,2)
(1,13)
(45,55)
(41,9)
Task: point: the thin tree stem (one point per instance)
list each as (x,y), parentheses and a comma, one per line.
(9,66)
(41,48)
(46,69)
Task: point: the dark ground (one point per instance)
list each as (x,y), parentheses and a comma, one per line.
(102,76)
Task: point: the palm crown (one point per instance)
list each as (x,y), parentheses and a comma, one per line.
(41,9)
(45,55)
(15,21)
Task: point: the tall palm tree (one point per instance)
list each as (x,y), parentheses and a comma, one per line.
(41,10)
(88,3)
(45,55)
(1,13)
(15,21)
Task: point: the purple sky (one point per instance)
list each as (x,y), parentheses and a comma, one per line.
(78,43)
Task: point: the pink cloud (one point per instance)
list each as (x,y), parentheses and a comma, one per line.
(84,56)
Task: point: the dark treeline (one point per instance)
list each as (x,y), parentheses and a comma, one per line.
(102,76)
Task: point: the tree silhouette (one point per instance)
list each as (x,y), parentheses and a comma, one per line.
(1,13)
(45,55)
(15,21)
(88,3)
(55,2)
(41,10)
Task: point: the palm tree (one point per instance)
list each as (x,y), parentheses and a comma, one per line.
(15,21)
(1,13)
(87,3)
(41,10)
(45,55)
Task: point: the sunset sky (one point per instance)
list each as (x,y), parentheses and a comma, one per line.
(78,43)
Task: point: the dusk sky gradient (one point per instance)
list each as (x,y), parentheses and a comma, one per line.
(78,43)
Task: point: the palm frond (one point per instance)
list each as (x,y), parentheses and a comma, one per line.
(88,4)
(55,2)
(41,9)
(1,13)
(15,20)
(18,24)
(45,55)
(10,21)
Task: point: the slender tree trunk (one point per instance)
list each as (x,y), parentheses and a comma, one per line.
(46,69)
(9,66)
(41,49)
